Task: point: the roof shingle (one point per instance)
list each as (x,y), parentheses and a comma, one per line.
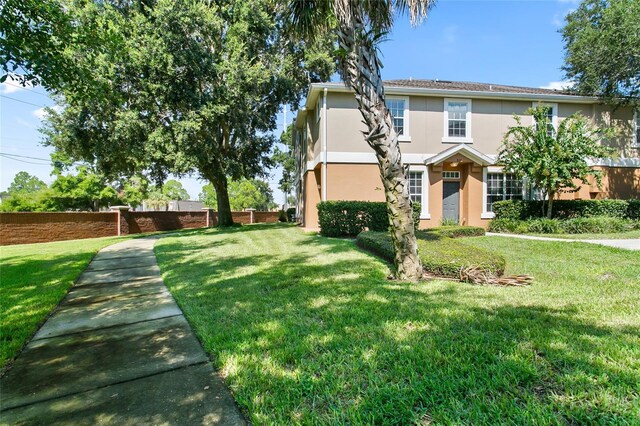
(472,87)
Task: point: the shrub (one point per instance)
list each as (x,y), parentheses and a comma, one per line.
(440,255)
(544,226)
(282,216)
(291,214)
(456,231)
(349,218)
(504,225)
(567,209)
(596,225)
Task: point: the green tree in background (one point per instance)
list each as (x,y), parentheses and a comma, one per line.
(284,158)
(174,190)
(602,49)
(134,191)
(553,160)
(243,194)
(24,182)
(86,190)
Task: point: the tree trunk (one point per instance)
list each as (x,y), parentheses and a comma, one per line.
(222,196)
(550,204)
(361,71)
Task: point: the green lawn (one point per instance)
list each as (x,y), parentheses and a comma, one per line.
(612,236)
(33,280)
(308,330)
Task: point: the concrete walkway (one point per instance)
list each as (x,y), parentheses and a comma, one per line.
(116,351)
(630,244)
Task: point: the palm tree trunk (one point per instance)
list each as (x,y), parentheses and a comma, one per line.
(361,71)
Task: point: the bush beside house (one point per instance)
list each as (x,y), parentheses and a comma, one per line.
(349,218)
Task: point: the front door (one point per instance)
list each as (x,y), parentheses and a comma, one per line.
(451,201)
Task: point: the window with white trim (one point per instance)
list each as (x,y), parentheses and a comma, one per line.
(636,129)
(502,186)
(399,110)
(450,175)
(415,186)
(457,120)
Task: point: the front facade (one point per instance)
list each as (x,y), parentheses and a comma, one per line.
(449,134)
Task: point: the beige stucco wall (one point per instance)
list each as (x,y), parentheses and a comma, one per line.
(617,183)
(490,119)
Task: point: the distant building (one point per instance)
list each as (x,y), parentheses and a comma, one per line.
(175,206)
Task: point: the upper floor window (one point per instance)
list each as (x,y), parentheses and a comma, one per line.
(457,120)
(552,117)
(399,109)
(636,128)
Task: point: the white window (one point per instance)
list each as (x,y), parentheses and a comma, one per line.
(399,108)
(552,116)
(419,189)
(415,186)
(636,129)
(449,175)
(457,121)
(498,186)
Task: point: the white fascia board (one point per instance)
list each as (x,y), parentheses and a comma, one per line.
(463,149)
(370,157)
(615,162)
(406,91)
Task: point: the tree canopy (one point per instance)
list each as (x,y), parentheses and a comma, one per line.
(24,182)
(284,158)
(602,49)
(186,87)
(174,190)
(553,160)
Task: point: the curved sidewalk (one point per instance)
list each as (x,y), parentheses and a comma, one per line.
(630,244)
(117,350)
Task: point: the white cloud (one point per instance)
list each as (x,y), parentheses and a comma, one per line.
(558,85)
(41,113)
(450,34)
(12,86)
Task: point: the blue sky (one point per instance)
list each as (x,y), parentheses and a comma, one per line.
(502,42)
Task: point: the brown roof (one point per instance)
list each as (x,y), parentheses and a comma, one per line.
(472,87)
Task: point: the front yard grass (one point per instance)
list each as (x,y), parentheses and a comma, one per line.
(33,280)
(308,330)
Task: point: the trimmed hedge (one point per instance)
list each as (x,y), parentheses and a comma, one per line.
(440,255)
(567,209)
(455,231)
(349,218)
(580,225)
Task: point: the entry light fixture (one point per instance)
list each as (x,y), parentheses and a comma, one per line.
(454,164)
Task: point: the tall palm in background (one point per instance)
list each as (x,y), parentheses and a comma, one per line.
(359,26)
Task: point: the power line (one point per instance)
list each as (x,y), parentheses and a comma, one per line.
(24,102)
(23,161)
(26,88)
(48,160)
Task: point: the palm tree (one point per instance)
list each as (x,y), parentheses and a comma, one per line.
(359,26)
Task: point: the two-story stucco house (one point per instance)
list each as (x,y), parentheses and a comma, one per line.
(450,134)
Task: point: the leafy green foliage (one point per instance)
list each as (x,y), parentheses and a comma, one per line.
(243,194)
(24,182)
(174,190)
(602,49)
(349,218)
(439,254)
(567,209)
(578,225)
(553,160)
(456,231)
(190,87)
(284,158)
(135,190)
